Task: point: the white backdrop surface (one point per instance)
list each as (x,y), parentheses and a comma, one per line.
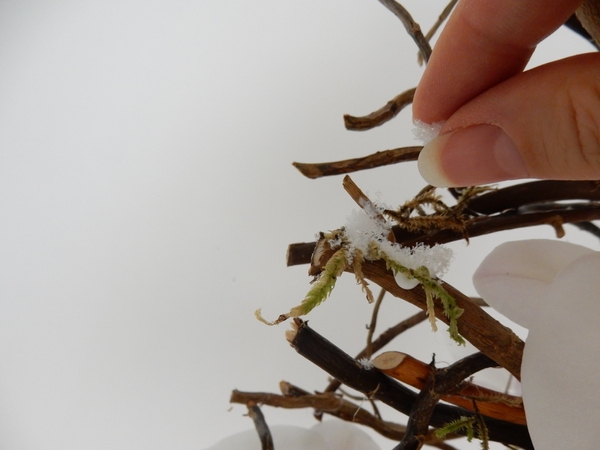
(147,200)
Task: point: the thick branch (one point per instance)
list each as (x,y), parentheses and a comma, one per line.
(514,197)
(483,331)
(376,385)
(382,115)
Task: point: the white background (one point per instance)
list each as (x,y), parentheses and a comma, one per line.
(147,200)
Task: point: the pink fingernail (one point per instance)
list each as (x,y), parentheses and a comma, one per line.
(479,154)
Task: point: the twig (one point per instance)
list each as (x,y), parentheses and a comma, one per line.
(513,197)
(589,227)
(378,159)
(338,364)
(373,324)
(442,17)
(382,115)
(361,199)
(329,403)
(413,28)
(266,440)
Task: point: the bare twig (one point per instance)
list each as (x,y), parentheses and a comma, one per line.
(382,115)
(266,440)
(373,324)
(361,199)
(590,227)
(329,403)
(379,159)
(412,27)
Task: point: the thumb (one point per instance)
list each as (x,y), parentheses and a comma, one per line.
(543,123)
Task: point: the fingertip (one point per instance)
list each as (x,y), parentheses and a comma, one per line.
(479,154)
(430,163)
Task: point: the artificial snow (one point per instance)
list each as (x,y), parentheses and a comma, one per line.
(425,132)
(361,230)
(366,363)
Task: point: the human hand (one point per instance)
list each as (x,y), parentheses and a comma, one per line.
(500,122)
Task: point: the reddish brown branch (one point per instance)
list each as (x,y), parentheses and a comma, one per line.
(382,115)
(449,384)
(379,159)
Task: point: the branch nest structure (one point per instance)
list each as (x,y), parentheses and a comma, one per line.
(447,404)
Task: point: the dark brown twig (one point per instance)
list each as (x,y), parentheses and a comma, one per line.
(590,227)
(420,414)
(412,27)
(264,434)
(379,159)
(382,115)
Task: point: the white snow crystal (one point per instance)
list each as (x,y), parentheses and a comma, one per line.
(361,230)
(366,363)
(425,132)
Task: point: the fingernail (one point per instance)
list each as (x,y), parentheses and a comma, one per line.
(480,154)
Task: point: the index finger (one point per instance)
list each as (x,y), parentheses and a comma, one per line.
(484,43)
